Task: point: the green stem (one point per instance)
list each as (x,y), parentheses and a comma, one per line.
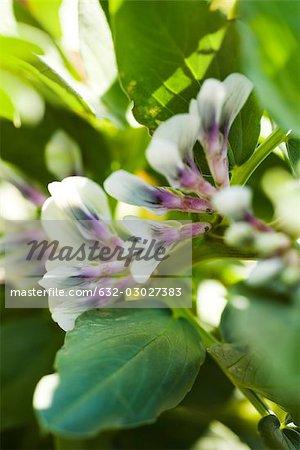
(241,174)
(209,248)
(256,401)
(208,340)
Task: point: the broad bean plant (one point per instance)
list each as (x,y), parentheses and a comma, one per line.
(177,124)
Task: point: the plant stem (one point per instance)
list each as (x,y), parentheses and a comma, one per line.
(206,337)
(208,340)
(210,248)
(241,174)
(256,401)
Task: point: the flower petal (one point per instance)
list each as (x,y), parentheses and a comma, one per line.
(233,202)
(84,202)
(171,149)
(238,89)
(193,108)
(128,188)
(210,103)
(67,307)
(58,226)
(80,192)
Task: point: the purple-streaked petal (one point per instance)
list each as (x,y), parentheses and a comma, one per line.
(84,202)
(210,103)
(130,189)
(11,174)
(171,151)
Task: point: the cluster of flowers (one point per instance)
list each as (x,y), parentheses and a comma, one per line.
(77,211)
(279,258)
(82,205)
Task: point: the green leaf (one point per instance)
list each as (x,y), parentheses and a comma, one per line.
(177,428)
(293,149)
(121,368)
(43,72)
(63,156)
(53,85)
(17,48)
(24,147)
(245,131)
(250,371)
(270,55)
(266,322)
(28,349)
(163,50)
(207,394)
(46,12)
(7,109)
(286,438)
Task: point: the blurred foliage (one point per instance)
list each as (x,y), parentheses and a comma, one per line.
(270,54)
(83,84)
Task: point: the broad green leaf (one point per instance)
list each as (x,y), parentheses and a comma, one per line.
(270,55)
(121,368)
(28,350)
(46,12)
(245,131)
(276,437)
(250,371)
(267,322)
(293,149)
(164,50)
(211,388)
(177,428)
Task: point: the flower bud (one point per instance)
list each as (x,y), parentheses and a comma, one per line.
(233,202)
(63,158)
(269,243)
(239,234)
(265,271)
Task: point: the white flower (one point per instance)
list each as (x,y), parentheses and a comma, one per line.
(265,271)
(270,242)
(81,206)
(171,153)
(218,103)
(239,234)
(76,214)
(167,235)
(233,202)
(130,189)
